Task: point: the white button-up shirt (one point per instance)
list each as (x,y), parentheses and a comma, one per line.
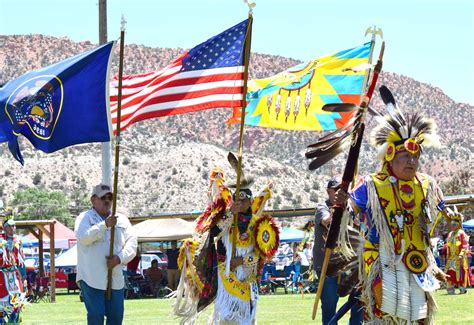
(93,244)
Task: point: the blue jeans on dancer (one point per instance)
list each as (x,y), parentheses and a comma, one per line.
(98,306)
(329,299)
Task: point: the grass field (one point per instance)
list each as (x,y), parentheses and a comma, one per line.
(272,309)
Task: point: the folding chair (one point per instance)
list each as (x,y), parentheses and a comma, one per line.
(42,290)
(71,282)
(30,285)
(163,291)
(132,288)
(306,282)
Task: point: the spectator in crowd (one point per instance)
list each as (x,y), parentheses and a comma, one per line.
(93,229)
(308,251)
(154,275)
(296,250)
(471,246)
(441,245)
(173,272)
(306,257)
(434,247)
(284,257)
(132,266)
(297,262)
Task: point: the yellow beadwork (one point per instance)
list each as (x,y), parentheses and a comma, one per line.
(412,234)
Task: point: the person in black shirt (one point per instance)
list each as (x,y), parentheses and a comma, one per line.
(173,272)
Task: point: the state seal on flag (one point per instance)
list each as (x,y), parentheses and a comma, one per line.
(36,103)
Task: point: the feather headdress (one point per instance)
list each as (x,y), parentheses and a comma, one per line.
(455,215)
(7,217)
(396,132)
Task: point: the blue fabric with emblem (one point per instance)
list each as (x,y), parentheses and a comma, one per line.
(58,106)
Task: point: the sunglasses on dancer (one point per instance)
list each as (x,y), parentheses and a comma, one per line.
(244,196)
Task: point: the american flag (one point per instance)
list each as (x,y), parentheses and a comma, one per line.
(209,76)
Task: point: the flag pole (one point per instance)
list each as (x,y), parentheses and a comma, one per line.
(117,153)
(105,147)
(365,85)
(248,38)
(347,178)
(374,31)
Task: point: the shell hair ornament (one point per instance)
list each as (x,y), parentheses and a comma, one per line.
(395,132)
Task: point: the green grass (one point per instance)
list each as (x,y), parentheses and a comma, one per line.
(272,309)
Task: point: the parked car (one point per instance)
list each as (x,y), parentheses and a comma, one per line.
(163,257)
(32,263)
(146,259)
(46,256)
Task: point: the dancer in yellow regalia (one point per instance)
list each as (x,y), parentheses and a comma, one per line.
(457,266)
(210,272)
(397,207)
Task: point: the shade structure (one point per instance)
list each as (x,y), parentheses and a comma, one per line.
(291,235)
(64,237)
(28,242)
(163,230)
(468,224)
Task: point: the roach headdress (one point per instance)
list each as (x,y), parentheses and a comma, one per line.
(7,217)
(395,132)
(455,215)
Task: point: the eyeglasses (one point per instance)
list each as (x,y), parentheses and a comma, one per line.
(108,197)
(244,195)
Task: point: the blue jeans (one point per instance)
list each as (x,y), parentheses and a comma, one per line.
(98,305)
(329,299)
(357,312)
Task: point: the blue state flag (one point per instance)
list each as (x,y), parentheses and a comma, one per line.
(64,104)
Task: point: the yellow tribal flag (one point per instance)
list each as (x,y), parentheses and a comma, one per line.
(292,100)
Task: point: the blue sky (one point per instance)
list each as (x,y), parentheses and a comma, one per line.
(429,40)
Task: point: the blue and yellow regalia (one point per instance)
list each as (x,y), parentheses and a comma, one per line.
(398,270)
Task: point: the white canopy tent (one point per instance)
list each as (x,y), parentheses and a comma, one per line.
(153,230)
(68,258)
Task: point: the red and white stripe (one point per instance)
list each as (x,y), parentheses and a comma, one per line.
(171,92)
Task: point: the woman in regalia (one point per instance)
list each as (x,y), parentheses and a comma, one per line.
(11,261)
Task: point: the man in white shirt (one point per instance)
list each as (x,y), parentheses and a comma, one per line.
(93,228)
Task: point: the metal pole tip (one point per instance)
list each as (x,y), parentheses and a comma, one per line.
(251,5)
(122,23)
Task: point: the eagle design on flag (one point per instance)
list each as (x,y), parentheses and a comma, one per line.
(33,104)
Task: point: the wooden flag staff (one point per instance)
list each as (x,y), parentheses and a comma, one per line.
(248,38)
(117,154)
(347,178)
